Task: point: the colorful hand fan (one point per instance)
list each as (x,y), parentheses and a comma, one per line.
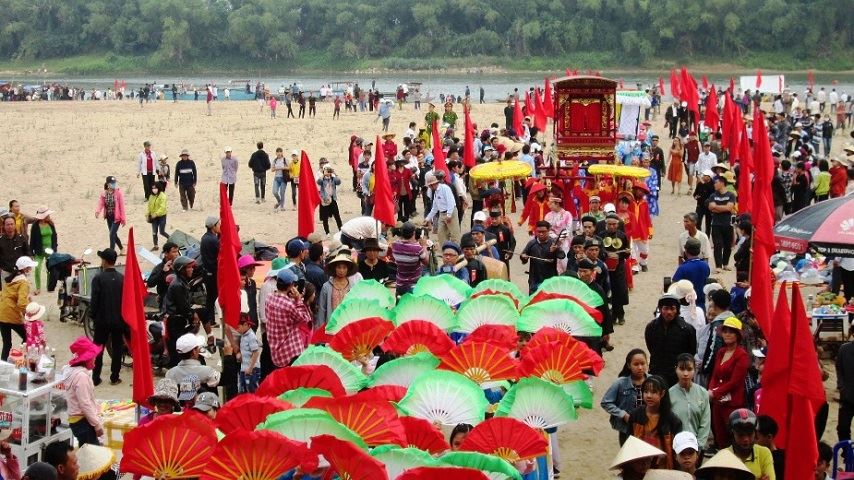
(246,411)
(493,466)
(481,362)
(572,286)
(376,422)
(486,310)
(171,446)
(424,435)
(537,403)
(355,309)
(581,393)
(554,362)
(500,286)
(593,364)
(503,336)
(447,288)
(445,397)
(371,290)
(425,308)
(351,376)
(397,460)
(302,395)
(302,424)
(402,371)
(543,296)
(493,293)
(442,473)
(319,337)
(506,438)
(417,336)
(286,379)
(567,316)
(348,460)
(358,339)
(261,455)
(385,393)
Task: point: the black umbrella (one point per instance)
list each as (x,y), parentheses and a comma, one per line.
(827,226)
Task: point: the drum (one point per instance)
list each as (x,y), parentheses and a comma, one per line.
(495,268)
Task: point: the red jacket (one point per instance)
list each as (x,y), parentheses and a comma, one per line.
(728,378)
(389,149)
(838,181)
(400,179)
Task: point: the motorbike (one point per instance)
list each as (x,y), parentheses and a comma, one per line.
(73,276)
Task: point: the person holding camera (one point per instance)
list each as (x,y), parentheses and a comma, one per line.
(288,320)
(328,187)
(410,256)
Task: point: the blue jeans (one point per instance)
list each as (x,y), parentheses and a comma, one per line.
(84,432)
(249,383)
(827,145)
(158,225)
(113,228)
(279,187)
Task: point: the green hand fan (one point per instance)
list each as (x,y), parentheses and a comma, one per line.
(371,290)
(351,377)
(404,370)
(537,403)
(424,308)
(445,397)
(498,285)
(486,310)
(494,467)
(355,309)
(445,287)
(299,396)
(397,460)
(560,314)
(581,393)
(302,424)
(572,286)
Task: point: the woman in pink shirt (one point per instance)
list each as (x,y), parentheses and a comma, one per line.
(83,411)
(111,205)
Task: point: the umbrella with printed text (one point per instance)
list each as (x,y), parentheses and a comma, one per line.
(827,227)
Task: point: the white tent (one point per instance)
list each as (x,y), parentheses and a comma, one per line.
(770,83)
(630,106)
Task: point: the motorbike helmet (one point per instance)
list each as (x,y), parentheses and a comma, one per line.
(742,420)
(179,263)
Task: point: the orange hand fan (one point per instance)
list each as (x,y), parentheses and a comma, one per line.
(246,411)
(172,446)
(489,291)
(443,473)
(386,393)
(259,455)
(481,362)
(310,376)
(348,460)
(554,362)
(375,421)
(542,296)
(593,364)
(418,336)
(424,435)
(358,339)
(506,438)
(503,336)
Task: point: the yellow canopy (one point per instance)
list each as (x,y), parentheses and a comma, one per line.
(500,170)
(618,170)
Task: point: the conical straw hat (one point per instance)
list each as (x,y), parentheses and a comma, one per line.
(634,449)
(94,461)
(727,460)
(667,475)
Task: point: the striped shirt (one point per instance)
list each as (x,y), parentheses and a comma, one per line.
(408,256)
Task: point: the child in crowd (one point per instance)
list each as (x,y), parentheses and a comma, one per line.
(34,325)
(250,353)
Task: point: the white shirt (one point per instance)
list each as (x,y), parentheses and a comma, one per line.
(360,228)
(443,202)
(705,245)
(822,96)
(142,163)
(833,97)
(705,161)
(409,133)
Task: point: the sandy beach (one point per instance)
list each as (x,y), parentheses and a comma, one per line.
(58,154)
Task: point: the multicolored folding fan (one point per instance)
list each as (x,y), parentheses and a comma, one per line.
(348,460)
(435,311)
(442,473)
(424,435)
(385,393)
(594,363)
(397,460)
(358,339)
(493,466)
(302,424)
(581,393)
(244,412)
(402,371)
(554,362)
(371,290)
(376,422)
(447,288)
(506,438)
(543,296)
(445,397)
(302,395)
(355,309)
(261,455)
(503,336)
(486,310)
(567,316)
(572,286)
(481,362)
(171,446)
(417,336)
(495,285)
(351,376)
(286,379)
(537,403)
(493,293)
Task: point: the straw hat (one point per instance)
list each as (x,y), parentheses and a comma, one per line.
(634,449)
(667,475)
(729,177)
(43,212)
(34,312)
(681,289)
(341,258)
(725,460)
(94,461)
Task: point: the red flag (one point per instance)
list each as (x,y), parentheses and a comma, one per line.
(469,159)
(383,198)
(745,172)
(689,92)
(729,135)
(116,85)
(731,85)
(439,154)
(228,283)
(529,107)
(308,196)
(801,417)
(133,292)
(548,100)
(705,83)
(758,79)
(713,120)
(518,118)
(540,118)
(762,211)
(810,79)
(660,86)
(674,85)
(568,72)
(775,375)
(123,84)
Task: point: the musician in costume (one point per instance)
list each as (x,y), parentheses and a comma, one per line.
(543,252)
(617,252)
(536,206)
(595,209)
(587,274)
(450,256)
(652,185)
(561,227)
(626,212)
(594,252)
(643,231)
(502,228)
(476,268)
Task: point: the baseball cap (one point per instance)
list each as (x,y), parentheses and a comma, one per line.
(228,149)
(480,216)
(295,246)
(187,343)
(110,179)
(107,254)
(681,442)
(609,208)
(206,401)
(27,262)
(711,287)
(295,152)
(211,221)
(286,276)
(477,229)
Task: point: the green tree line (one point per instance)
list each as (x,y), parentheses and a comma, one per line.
(279,32)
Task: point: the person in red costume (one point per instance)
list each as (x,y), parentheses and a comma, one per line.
(536,206)
(643,230)
(626,212)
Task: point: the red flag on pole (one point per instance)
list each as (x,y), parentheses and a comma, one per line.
(548,100)
(689,92)
(674,85)
(228,282)
(308,196)
(540,119)
(383,198)
(729,135)
(529,106)
(775,375)
(133,293)
(745,172)
(758,79)
(705,83)
(762,211)
(439,154)
(712,118)
(518,118)
(469,159)
(810,79)
(731,85)
(660,86)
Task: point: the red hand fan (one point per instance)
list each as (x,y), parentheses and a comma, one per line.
(319,337)
(375,421)
(245,412)
(259,455)
(506,438)
(442,473)
(481,362)
(503,336)
(387,393)
(171,446)
(554,362)
(358,339)
(310,376)
(542,296)
(418,336)
(594,363)
(424,435)
(348,460)
(490,291)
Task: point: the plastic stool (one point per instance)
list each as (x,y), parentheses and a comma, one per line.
(847,449)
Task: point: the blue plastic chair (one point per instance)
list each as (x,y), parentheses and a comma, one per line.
(847,449)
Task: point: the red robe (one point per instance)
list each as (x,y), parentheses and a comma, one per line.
(643,222)
(534,211)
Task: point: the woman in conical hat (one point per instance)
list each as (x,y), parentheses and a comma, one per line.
(724,466)
(635,458)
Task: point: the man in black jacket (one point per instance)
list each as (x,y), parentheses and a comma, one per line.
(668,336)
(185,180)
(177,306)
(209,251)
(259,162)
(12,247)
(157,277)
(106,311)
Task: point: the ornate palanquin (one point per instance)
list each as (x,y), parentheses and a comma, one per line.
(585,126)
